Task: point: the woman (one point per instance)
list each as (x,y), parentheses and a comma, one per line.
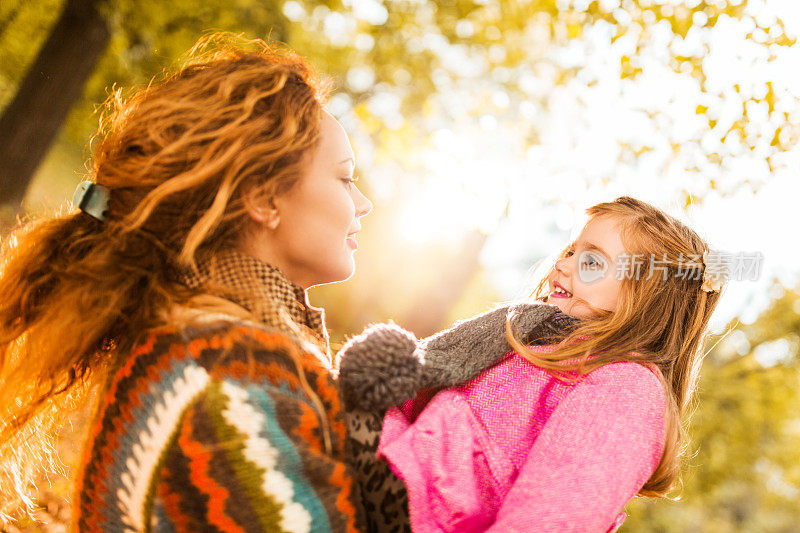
(219,195)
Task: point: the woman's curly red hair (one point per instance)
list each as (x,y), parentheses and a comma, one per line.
(175,155)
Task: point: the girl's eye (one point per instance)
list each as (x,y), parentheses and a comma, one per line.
(350,181)
(590,260)
(569,253)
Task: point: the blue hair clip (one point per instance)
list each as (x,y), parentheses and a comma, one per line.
(92,199)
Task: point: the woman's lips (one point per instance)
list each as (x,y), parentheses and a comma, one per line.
(351,241)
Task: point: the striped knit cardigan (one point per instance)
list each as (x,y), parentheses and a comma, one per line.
(210,427)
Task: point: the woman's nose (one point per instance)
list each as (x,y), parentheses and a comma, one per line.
(363,205)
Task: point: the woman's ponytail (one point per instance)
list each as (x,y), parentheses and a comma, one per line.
(37,266)
(68,293)
(72,289)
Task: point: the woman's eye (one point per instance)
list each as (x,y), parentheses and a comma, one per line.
(350,181)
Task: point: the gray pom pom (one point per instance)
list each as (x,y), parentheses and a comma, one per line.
(378,368)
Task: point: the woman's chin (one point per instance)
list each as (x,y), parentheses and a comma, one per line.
(336,275)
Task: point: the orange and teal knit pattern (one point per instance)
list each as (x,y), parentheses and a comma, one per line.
(209,429)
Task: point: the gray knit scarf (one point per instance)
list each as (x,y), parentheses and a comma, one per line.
(386,365)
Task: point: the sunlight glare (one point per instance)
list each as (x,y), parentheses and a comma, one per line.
(460,191)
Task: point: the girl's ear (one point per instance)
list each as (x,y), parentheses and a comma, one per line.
(261,208)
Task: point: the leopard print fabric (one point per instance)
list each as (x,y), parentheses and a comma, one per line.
(383,495)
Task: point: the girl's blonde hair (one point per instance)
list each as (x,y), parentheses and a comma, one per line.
(661,319)
(75,292)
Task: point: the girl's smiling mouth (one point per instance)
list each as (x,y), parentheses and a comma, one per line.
(560,292)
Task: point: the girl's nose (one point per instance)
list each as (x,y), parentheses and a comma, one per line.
(563,266)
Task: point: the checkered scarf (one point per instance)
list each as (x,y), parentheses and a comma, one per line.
(263,290)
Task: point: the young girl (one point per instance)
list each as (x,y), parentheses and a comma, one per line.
(557,437)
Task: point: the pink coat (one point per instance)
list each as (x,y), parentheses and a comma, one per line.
(516,449)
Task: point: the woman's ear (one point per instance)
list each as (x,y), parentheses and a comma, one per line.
(261,208)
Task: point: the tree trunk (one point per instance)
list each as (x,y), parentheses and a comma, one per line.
(54,82)
(12,15)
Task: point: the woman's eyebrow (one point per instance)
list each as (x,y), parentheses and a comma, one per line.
(348,159)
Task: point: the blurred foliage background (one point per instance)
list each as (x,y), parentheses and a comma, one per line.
(482,129)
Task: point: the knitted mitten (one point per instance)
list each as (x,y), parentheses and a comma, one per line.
(386,365)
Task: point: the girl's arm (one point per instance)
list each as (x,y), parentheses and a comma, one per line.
(594,454)
(386,365)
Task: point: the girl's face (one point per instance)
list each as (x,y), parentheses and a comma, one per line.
(588,271)
(312,237)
